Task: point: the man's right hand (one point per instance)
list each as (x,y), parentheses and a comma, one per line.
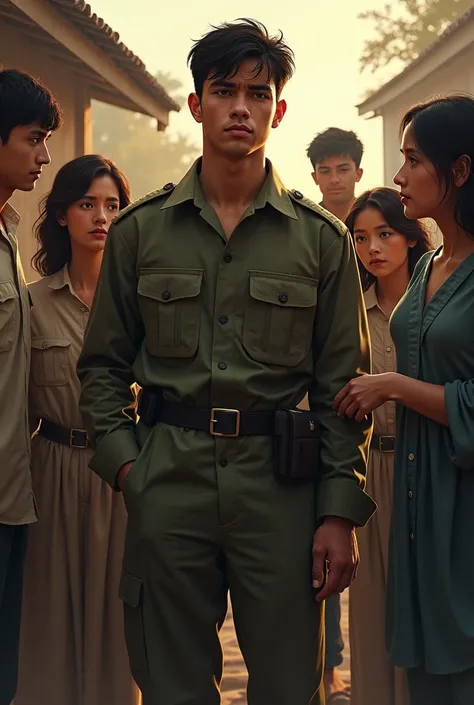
(122,474)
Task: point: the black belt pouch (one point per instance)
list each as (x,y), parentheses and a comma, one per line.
(296,445)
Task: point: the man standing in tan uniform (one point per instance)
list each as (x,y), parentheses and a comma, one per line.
(28,115)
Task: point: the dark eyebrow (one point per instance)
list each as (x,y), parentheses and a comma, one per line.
(222,83)
(94,198)
(383,226)
(38,132)
(260,87)
(410,150)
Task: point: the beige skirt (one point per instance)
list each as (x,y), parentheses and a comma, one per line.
(374,680)
(72,638)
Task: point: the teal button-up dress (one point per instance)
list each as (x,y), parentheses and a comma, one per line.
(430,600)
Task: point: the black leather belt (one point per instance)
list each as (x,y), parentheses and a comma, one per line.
(384,444)
(72,437)
(228,423)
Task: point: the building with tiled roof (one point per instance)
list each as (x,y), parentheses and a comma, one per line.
(445,66)
(81,59)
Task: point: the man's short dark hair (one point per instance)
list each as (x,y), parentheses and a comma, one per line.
(334,142)
(24,100)
(220,52)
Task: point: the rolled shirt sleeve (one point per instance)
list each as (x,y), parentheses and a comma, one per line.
(341,352)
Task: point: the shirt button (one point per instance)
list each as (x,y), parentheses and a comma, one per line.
(44,345)
(388,349)
(283,298)
(222,366)
(223,319)
(83,309)
(166,295)
(412,536)
(390,421)
(410,494)
(223,463)
(411,456)
(227,257)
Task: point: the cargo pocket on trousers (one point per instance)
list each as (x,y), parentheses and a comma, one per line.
(131,593)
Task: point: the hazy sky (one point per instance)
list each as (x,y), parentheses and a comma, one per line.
(327,39)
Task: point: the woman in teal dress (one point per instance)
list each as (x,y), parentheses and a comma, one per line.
(430,600)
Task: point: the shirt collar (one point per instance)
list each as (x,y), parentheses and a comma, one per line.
(273,192)
(60,279)
(370,298)
(10,217)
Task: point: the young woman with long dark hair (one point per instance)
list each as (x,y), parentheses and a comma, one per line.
(72,647)
(388,246)
(431,574)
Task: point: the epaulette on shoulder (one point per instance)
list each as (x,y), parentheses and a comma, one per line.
(165,191)
(339,226)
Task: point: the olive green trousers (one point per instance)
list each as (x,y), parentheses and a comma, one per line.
(206,516)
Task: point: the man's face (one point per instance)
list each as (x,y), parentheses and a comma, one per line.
(23,157)
(237,113)
(336,178)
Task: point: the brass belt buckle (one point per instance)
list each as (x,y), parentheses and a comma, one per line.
(213,421)
(71,438)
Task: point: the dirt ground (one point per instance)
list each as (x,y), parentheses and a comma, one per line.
(235,675)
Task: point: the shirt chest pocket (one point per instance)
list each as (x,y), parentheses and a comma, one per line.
(8,314)
(170,307)
(50,361)
(278,325)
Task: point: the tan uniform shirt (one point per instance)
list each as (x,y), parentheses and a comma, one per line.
(383,360)
(17,505)
(58,321)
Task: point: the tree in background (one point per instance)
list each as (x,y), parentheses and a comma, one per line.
(403,34)
(149,158)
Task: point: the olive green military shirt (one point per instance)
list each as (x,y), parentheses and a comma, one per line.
(17,504)
(250,323)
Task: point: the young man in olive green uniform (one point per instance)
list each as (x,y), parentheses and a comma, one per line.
(228,297)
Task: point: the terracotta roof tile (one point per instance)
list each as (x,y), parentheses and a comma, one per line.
(80,14)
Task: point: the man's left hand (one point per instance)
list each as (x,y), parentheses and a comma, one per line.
(363,394)
(335,542)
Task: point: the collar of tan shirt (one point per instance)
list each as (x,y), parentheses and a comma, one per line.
(273,192)
(60,279)
(370,298)
(9,219)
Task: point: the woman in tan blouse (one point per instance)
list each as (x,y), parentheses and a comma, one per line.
(388,246)
(72,645)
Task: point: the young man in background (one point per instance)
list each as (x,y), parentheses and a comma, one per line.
(335,156)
